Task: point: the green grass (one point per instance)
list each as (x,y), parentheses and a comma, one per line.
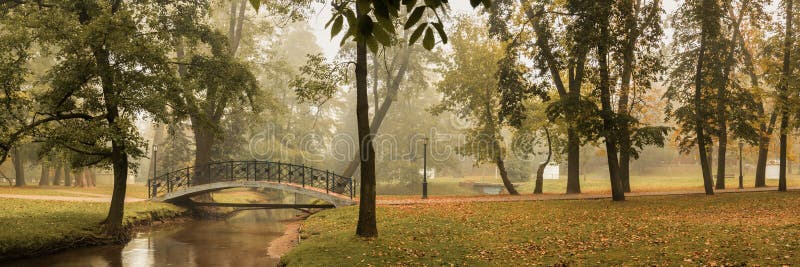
(133,190)
(590,183)
(34,227)
(730,229)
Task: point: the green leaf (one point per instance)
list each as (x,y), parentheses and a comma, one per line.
(382,36)
(475,3)
(365,26)
(337,25)
(428,42)
(410,4)
(380,10)
(434,4)
(440,28)
(256,4)
(372,45)
(386,24)
(417,33)
(364,6)
(414,17)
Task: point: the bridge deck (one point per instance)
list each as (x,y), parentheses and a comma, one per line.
(265,206)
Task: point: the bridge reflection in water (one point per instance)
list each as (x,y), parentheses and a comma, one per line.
(179,185)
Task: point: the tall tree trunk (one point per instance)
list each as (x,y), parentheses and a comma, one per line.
(575,79)
(19,168)
(91,178)
(501,167)
(700,117)
(722,100)
(617,190)
(367,226)
(119,156)
(80,180)
(57,174)
(763,149)
(380,113)
(540,172)
(626,76)
(784,91)
(765,128)
(67,177)
(44,179)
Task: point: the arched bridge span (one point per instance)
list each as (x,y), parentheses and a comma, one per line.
(181,184)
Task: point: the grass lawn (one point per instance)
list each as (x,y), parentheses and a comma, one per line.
(133,190)
(33,227)
(727,229)
(591,183)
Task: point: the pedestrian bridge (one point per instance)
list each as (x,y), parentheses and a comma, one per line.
(179,185)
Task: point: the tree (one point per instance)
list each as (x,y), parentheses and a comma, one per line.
(361,20)
(19,167)
(553,60)
(44,178)
(112,72)
(603,9)
(637,25)
(783,90)
(699,62)
(469,89)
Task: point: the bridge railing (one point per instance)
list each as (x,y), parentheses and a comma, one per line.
(228,171)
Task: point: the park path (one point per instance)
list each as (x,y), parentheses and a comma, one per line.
(415,200)
(105,199)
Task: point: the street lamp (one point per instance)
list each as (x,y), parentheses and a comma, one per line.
(155,165)
(741,178)
(425,168)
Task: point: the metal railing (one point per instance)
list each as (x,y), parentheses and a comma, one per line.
(228,171)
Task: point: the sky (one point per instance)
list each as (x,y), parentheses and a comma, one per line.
(330,47)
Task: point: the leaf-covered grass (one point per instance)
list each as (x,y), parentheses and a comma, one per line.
(133,190)
(34,227)
(592,183)
(730,229)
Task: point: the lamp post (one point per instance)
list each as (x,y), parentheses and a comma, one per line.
(425,168)
(153,182)
(741,177)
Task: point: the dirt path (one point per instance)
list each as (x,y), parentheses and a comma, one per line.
(287,241)
(529,197)
(83,193)
(64,198)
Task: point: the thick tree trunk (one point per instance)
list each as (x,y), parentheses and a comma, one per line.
(204,142)
(573,162)
(367,226)
(80,180)
(119,160)
(540,172)
(67,177)
(57,175)
(617,189)
(91,178)
(763,151)
(119,156)
(19,168)
(44,179)
(784,91)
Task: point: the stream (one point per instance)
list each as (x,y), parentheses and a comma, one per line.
(241,240)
